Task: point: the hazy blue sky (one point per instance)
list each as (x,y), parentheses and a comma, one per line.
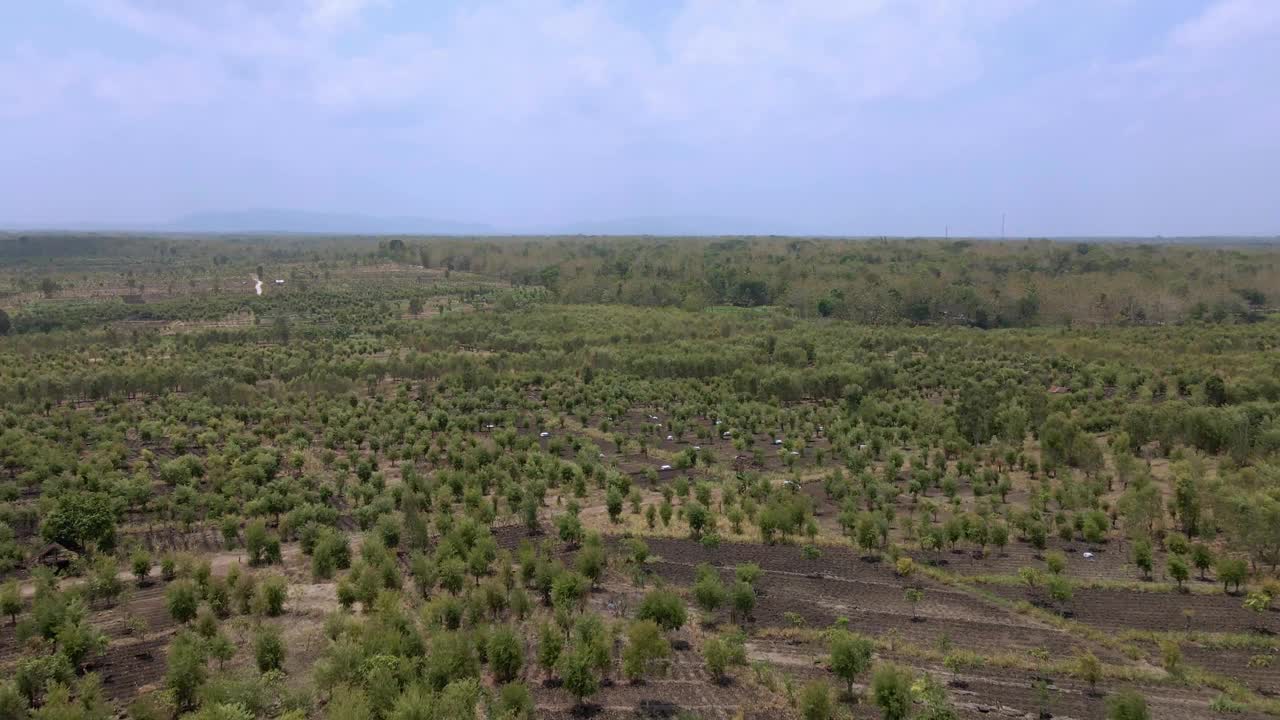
(862,116)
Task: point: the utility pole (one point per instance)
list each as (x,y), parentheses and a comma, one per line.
(1001,226)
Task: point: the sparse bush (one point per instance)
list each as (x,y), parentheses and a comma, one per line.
(815,701)
(1127,705)
(182,601)
(646,649)
(850,656)
(271,595)
(891,690)
(505,654)
(268,649)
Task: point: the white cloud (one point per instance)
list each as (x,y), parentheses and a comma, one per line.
(191,52)
(141,87)
(712,73)
(1227,23)
(396,72)
(329,15)
(243,31)
(748,63)
(31,82)
(545,101)
(1228,53)
(734,64)
(856,51)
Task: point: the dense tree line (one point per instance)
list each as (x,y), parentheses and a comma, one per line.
(984,284)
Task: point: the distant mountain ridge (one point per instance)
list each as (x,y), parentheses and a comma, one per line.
(303,222)
(677,225)
(274,220)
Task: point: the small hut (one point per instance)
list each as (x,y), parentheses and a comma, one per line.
(54,556)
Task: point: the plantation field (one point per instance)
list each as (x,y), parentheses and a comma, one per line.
(446,478)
